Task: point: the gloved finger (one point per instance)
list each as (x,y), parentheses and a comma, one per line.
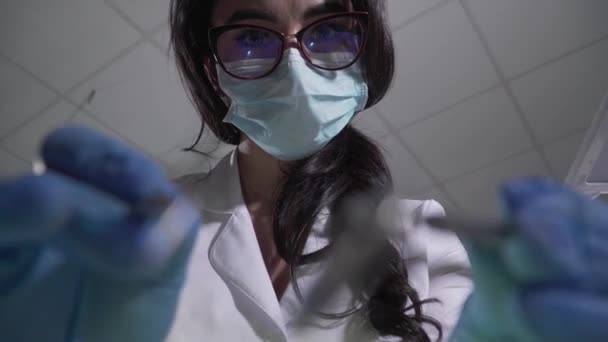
(563,230)
(544,216)
(116,312)
(591,232)
(97,228)
(553,232)
(530,195)
(595,237)
(105,235)
(566,315)
(521,192)
(32,209)
(107,164)
(131,245)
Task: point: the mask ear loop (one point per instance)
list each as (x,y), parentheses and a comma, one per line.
(211,70)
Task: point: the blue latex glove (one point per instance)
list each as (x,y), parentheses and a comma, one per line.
(546,281)
(95,248)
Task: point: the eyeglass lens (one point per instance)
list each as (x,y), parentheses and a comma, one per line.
(251,52)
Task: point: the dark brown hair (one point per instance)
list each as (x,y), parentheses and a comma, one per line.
(351,163)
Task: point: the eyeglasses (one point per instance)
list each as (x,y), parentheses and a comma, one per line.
(250,52)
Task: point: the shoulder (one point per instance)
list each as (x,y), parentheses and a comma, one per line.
(440,246)
(413,214)
(442,270)
(418,211)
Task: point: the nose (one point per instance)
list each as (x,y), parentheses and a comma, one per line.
(291,41)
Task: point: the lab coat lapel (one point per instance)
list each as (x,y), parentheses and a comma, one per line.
(235,253)
(317,327)
(306,276)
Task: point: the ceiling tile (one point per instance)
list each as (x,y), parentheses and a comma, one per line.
(371,124)
(141,98)
(401,11)
(147,14)
(408,176)
(26,141)
(11,166)
(468,136)
(20,97)
(64,41)
(162,37)
(563,97)
(440,61)
(526,33)
(561,153)
(476,193)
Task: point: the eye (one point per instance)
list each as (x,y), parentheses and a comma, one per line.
(254,38)
(327,31)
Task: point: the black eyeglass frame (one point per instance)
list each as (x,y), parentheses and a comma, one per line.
(214,34)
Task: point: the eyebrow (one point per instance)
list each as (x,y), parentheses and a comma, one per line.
(260,14)
(325,8)
(252,13)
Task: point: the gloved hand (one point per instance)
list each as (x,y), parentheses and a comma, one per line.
(548,279)
(107,211)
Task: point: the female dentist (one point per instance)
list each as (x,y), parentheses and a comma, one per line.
(102,247)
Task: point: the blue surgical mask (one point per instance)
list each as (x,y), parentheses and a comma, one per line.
(295,111)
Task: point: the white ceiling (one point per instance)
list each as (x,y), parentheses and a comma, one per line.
(485,89)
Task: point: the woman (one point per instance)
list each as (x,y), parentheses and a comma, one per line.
(282,80)
(297,154)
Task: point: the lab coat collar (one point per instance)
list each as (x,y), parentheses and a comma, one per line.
(236,257)
(221,192)
(234,253)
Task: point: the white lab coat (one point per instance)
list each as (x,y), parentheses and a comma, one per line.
(228,295)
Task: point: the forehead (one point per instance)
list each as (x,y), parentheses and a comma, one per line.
(283,10)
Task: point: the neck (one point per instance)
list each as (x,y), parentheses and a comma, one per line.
(261,176)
